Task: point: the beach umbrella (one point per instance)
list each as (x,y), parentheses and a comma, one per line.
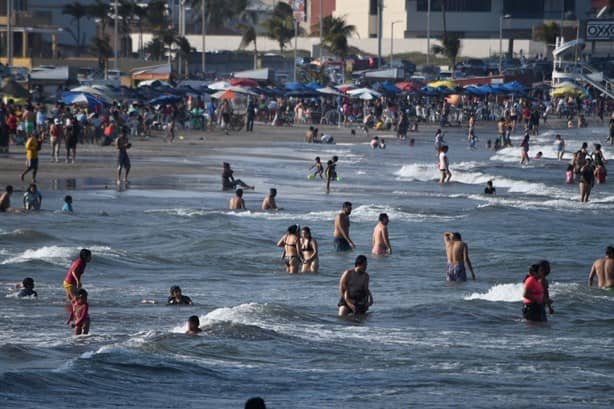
(442,83)
(242,90)
(165,99)
(293,86)
(244,82)
(93,91)
(514,87)
(329,91)
(314,85)
(366,96)
(359,91)
(228,94)
(408,86)
(302,93)
(219,85)
(345,87)
(475,91)
(567,92)
(430,91)
(71,98)
(14,89)
(153,83)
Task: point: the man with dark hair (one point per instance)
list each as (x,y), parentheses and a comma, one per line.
(356,297)
(381,242)
(458,256)
(237,201)
(5,199)
(269,201)
(603,269)
(255,403)
(341,234)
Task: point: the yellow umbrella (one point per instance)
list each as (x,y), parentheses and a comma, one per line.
(567,91)
(443,83)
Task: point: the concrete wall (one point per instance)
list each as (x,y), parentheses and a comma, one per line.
(479,48)
(355,12)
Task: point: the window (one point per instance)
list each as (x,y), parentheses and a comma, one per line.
(373,7)
(456,5)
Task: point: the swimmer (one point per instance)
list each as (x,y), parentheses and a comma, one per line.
(308,251)
(603,269)
(176,298)
(341,232)
(27,288)
(72,281)
(193,326)
(237,202)
(79,313)
(356,298)
(490,189)
(569,174)
(67,208)
(457,253)
(534,296)
(380,240)
(32,199)
(374,142)
(539,155)
(290,244)
(269,201)
(319,168)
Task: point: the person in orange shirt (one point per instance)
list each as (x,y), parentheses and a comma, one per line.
(33,145)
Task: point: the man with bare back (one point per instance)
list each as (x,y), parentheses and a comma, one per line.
(458,257)
(381,243)
(603,269)
(356,298)
(341,234)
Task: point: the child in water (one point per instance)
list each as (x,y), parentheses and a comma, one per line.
(193,325)
(27,288)
(176,298)
(569,175)
(67,208)
(79,313)
(319,168)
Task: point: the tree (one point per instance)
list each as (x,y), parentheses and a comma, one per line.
(101,48)
(450,42)
(219,12)
(249,33)
(547,33)
(155,48)
(77,11)
(99,11)
(335,37)
(184,50)
(280,27)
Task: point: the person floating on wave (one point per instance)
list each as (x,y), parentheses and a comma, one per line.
(381,242)
(193,326)
(490,189)
(177,298)
(457,252)
(268,203)
(341,233)
(356,298)
(237,202)
(308,251)
(72,281)
(79,317)
(533,308)
(290,244)
(27,288)
(228,180)
(67,208)
(603,269)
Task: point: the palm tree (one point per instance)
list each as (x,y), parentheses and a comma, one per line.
(99,11)
(280,26)
(155,48)
(335,37)
(450,42)
(101,48)
(219,12)
(547,33)
(77,11)
(184,50)
(249,33)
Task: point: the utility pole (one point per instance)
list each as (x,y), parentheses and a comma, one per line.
(115,37)
(203,29)
(321,27)
(9,33)
(380,6)
(428,32)
(295,44)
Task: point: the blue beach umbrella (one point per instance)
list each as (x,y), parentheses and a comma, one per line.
(314,85)
(70,98)
(165,99)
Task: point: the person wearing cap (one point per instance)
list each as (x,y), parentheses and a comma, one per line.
(55,132)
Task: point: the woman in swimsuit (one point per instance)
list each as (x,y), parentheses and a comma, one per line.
(309,252)
(290,243)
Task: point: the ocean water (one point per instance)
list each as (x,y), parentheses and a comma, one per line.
(425,343)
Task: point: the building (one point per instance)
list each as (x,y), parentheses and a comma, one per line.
(363,15)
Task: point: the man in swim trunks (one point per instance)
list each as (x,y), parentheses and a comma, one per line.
(123,161)
(5,199)
(381,243)
(268,203)
(341,234)
(603,269)
(356,298)
(237,201)
(458,256)
(72,281)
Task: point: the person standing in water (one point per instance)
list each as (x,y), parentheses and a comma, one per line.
(533,303)
(72,281)
(237,202)
(290,244)
(381,242)
(309,252)
(123,161)
(79,317)
(269,201)
(524,150)
(444,165)
(341,233)
(603,269)
(587,180)
(457,252)
(356,298)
